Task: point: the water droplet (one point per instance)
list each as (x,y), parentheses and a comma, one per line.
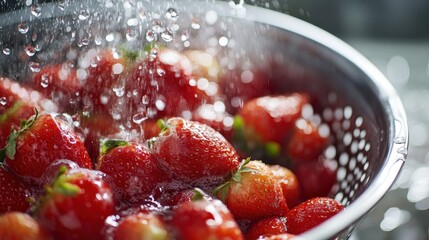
(139,117)
(30,50)
(83,15)
(98,40)
(145,99)
(151,36)
(196,23)
(167,35)
(160,104)
(142,14)
(23,28)
(131,34)
(6,51)
(36,10)
(119,91)
(3,101)
(157,26)
(62,4)
(172,14)
(44,81)
(34,37)
(160,72)
(223,41)
(34,66)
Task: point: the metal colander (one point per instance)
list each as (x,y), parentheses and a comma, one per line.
(369,136)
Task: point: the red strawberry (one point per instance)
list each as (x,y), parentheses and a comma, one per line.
(104,70)
(76,205)
(163,85)
(40,141)
(311,213)
(271,118)
(177,198)
(316,178)
(134,172)
(306,142)
(60,83)
(193,151)
(289,184)
(204,219)
(17,225)
(266,227)
(17,103)
(216,117)
(253,192)
(284,236)
(13,193)
(241,85)
(141,226)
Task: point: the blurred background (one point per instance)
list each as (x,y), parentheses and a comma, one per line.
(394,35)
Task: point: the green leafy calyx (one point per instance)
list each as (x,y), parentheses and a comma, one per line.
(10,149)
(222,190)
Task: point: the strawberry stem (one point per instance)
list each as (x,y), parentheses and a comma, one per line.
(110,144)
(10,149)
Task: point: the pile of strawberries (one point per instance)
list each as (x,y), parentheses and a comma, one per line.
(165,145)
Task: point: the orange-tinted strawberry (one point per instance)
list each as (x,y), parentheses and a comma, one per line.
(13,193)
(266,227)
(17,225)
(40,141)
(289,184)
(307,142)
(141,226)
(204,219)
(311,213)
(163,85)
(134,172)
(194,152)
(253,192)
(76,205)
(271,118)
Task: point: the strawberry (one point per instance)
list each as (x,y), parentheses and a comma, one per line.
(194,152)
(289,184)
(216,117)
(306,142)
(204,219)
(240,85)
(76,205)
(284,236)
(40,141)
(316,178)
(266,227)
(253,192)
(271,118)
(133,170)
(17,225)
(162,85)
(17,103)
(177,198)
(141,226)
(13,193)
(104,71)
(60,83)
(311,213)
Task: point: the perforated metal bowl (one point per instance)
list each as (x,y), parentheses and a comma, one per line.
(365,116)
